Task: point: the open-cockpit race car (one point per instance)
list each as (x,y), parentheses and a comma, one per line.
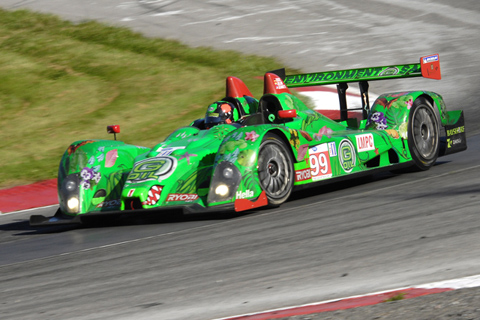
(248,153)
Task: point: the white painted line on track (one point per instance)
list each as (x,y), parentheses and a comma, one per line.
(453,284)
(461,283)
(26,210)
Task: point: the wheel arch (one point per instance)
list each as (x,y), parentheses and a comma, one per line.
(283,136)
(433,99)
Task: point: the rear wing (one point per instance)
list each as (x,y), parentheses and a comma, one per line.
(428,67)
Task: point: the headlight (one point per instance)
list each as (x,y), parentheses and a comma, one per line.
(224,183)
(70,185)
(228,173)
(222,190)
(72,204)
(69,194)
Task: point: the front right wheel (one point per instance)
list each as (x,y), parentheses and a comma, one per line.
(275,170)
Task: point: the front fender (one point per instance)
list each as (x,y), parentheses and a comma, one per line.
(235,173)
(93,172)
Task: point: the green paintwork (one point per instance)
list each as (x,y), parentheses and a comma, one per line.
(186,168)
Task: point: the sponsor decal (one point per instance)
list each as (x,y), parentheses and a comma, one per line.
(182,197)
(365,142)
(346,155)
(130,193)
(332,149)
(302,175)
(245,204)
(279,83)
(350,74)
(320,162)
(453,142)
(157,168)
(109,204)
(243,195)
(391,71)
(455,131)
(430,58)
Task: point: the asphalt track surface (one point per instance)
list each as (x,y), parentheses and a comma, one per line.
(341,240)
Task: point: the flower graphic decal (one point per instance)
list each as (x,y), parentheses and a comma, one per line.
(302,152)
(379,119)
(409,103)
(252,136)
(325,131)
(187,156)
(90,177)
(294,139)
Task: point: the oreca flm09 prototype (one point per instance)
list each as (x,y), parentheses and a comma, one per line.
(248,153)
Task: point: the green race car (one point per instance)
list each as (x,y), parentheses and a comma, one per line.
(248,153)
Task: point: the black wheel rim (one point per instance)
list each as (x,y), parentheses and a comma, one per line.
(424,132)
(274,170)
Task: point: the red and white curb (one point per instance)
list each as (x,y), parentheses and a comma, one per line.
(362,300)
(35,195)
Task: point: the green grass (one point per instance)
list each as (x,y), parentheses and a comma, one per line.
(61,82)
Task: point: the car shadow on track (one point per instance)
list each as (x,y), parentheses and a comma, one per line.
(145,218)
(327,187)
(24,225)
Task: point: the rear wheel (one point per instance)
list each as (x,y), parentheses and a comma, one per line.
(275,170)
(423,135)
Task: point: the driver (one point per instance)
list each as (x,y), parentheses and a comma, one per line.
(221,112)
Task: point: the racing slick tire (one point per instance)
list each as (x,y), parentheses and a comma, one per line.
(275,170)
(423,135)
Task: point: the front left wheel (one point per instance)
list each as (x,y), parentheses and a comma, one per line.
(275,170)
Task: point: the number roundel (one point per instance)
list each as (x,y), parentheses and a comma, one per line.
(320,162)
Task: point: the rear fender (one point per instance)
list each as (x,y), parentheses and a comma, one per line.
(394,109)
(391,111)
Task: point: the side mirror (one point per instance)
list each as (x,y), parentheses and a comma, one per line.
(114,129)
(287,114)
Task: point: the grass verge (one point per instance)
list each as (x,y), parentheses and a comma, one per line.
(61,82)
